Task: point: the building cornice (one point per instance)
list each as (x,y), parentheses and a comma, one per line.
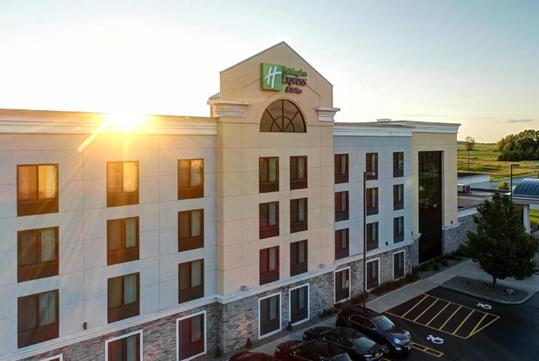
(327,114)
(55,122)
(228,108)
(372,131)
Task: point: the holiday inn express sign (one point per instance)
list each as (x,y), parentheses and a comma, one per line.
(276,77)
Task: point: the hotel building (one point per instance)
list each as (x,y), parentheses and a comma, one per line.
(192,234)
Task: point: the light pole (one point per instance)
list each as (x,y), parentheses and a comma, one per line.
(513,165)
(365,174)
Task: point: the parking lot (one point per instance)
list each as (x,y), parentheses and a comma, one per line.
(447,325)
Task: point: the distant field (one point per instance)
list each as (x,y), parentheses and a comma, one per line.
(484,160)
(534,216)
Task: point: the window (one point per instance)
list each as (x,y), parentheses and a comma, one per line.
(190,229)
(372,165)
(191,280)
(122,240)
(282,116)
(398,265)
(341,168)
(298,257)
(372,201)
(123,297)
(372,236)
(122,183)
(373,269)
(398,164)
(269,265)
(38,318)
(398,229)
(299,304)
(342,285)
(342,246)
(298,172)
(191,336)
(269,219)
(298,215)
(270,315)
(398,196)
(127,348)
(37,253)
(37,189)
(268,174)
(190,178)
(341,206)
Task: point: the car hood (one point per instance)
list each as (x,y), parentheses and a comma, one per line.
(398,333)
(341,357)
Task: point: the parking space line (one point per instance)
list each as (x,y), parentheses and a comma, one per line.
(414,306)
(463,321)
(495,318)
(438,314)
(450,317)
(426,309)
(427,350)
(477,325)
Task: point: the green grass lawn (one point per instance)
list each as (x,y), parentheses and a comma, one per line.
(534,216)
(484,159)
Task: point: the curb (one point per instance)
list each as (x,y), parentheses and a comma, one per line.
(492,299)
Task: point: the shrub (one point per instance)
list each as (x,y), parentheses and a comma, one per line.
(248,343)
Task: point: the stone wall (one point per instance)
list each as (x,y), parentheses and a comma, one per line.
(466,225)
(159,339)
(454,237)
(229,325)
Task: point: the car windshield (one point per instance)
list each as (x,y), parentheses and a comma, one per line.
(363,343)
(383,323)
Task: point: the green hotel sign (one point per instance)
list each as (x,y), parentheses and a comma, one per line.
(276,77)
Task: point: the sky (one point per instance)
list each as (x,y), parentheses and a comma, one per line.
(472,62)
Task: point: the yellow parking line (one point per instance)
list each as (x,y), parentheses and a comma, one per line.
(427,350)
(485,326)
(438,314)
(477,324)
(463,321)
(450,317)
(425,310)
(414,306)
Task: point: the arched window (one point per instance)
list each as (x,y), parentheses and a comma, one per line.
(282,116)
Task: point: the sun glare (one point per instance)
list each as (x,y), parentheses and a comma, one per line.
(125,122)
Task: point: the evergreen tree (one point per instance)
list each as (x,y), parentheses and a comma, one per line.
(500,244)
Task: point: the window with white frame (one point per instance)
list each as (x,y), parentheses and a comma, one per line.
(191,336)
(342,285)
(299,304)
(398,265)
(269,315)
(373,273)
(124,348)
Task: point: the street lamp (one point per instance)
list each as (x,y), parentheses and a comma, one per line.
(513,165)
(365,175)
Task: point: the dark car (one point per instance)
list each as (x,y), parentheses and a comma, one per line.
(251,356)
(377,327)
(358,346)
(316,350)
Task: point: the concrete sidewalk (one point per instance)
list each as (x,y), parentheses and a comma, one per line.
(401,295)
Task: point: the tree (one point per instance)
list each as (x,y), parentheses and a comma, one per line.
(500,244)
(469,144)
(520,146)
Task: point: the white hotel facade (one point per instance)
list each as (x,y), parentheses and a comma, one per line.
(195,233)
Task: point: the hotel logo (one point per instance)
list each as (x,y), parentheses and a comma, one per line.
(276,77)
(271,76)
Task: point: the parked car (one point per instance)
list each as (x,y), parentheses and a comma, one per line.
(377,327)
(358,346)
(251,356)
(316,350)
